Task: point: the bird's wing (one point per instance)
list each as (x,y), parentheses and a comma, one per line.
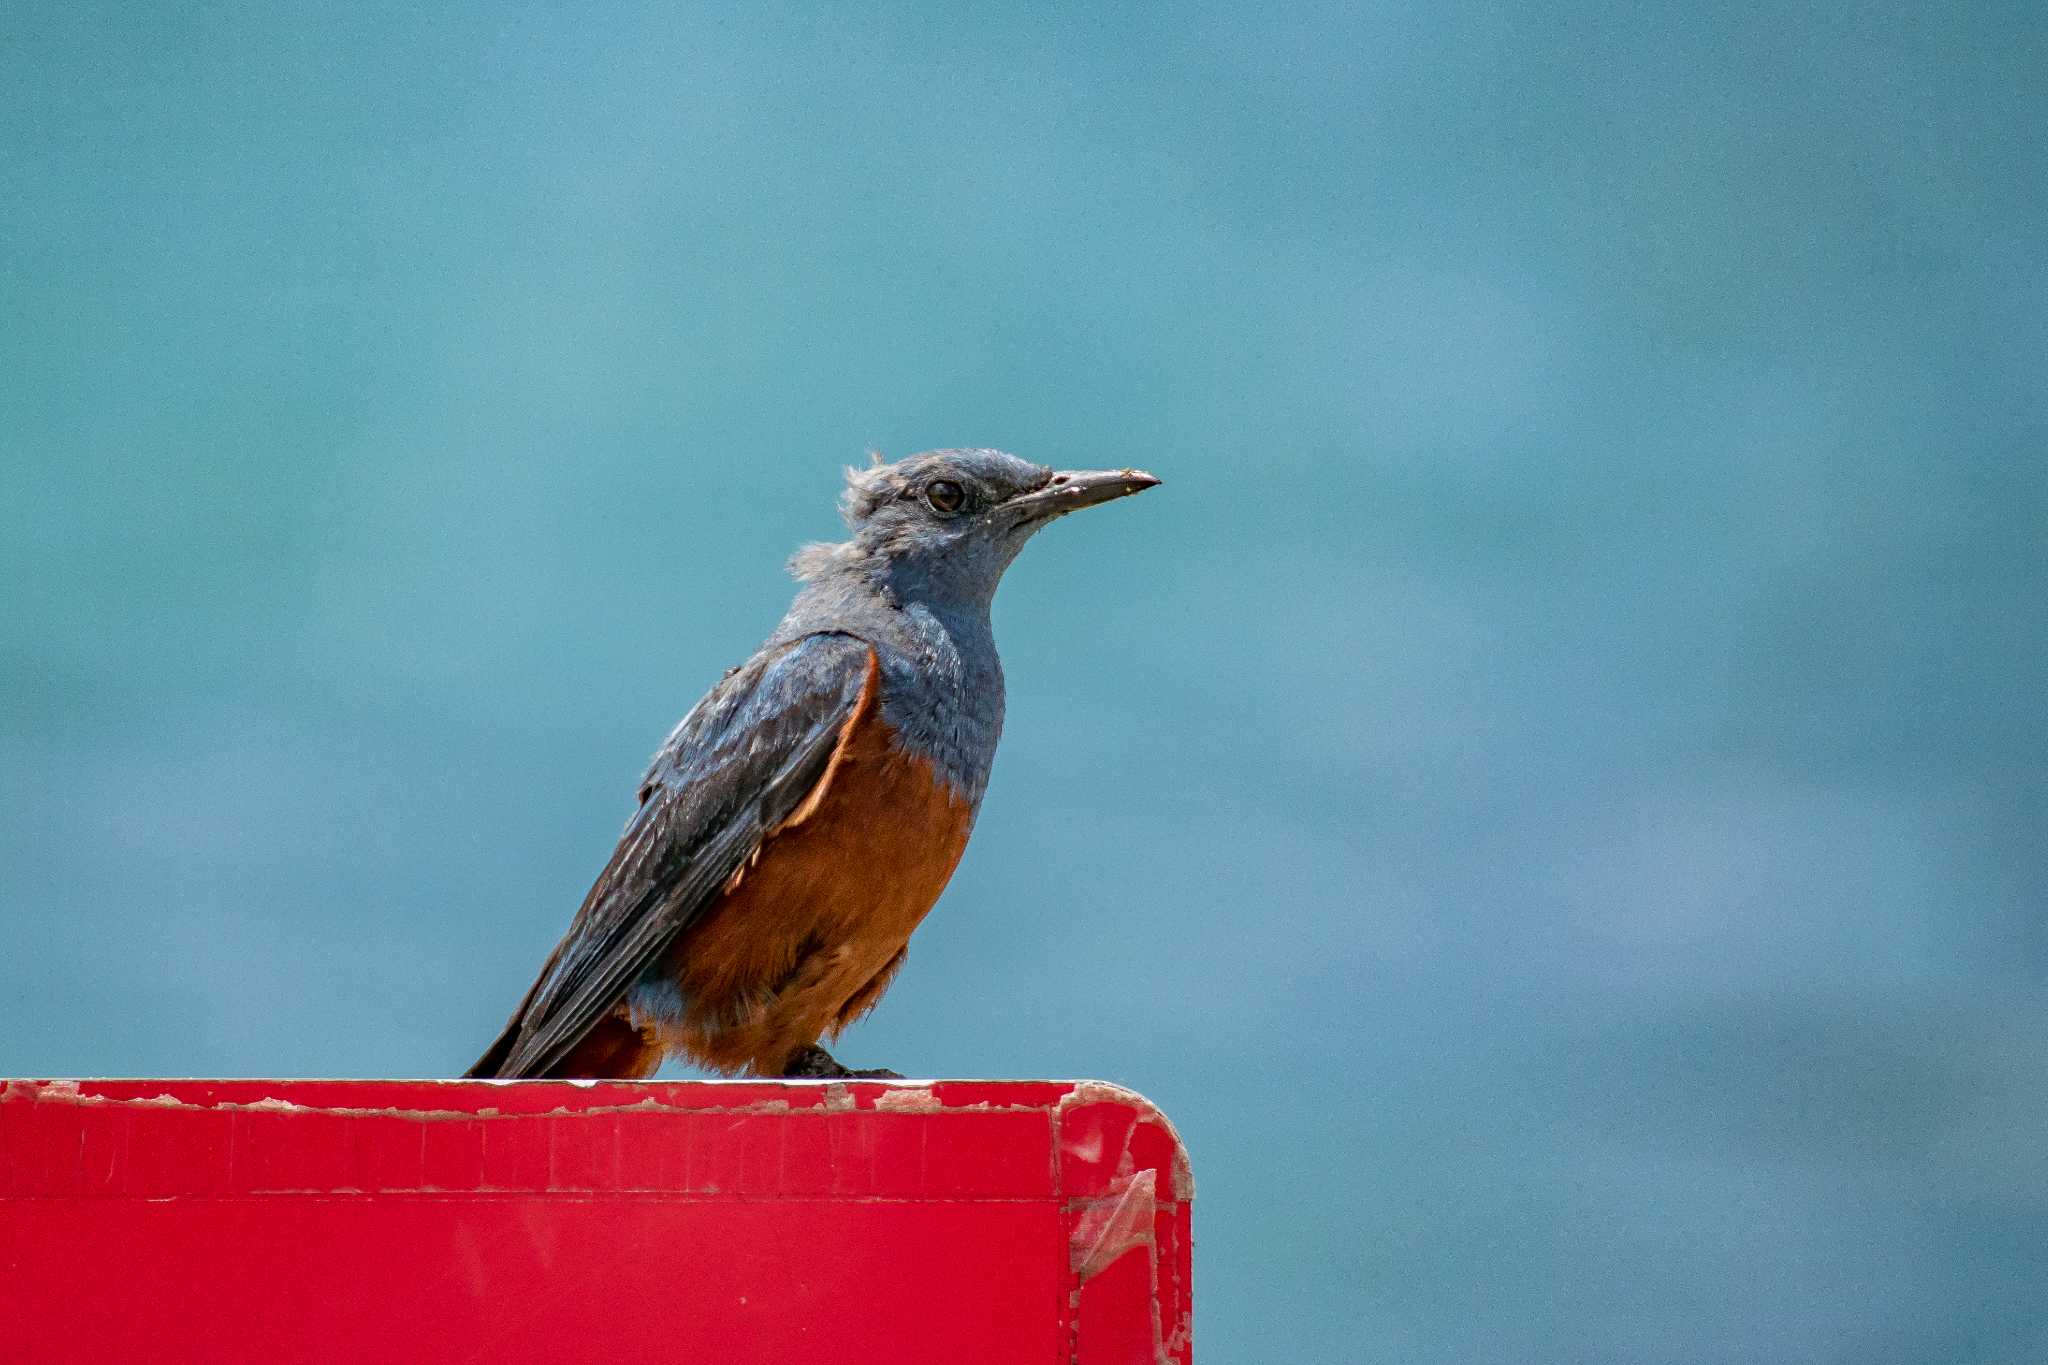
(745,760)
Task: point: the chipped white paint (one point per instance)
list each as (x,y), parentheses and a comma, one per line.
(908,1099)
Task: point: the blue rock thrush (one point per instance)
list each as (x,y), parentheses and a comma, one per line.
(804,816)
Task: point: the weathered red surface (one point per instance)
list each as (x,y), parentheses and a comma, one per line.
(473,1220)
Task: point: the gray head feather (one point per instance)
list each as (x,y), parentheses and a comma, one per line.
(896,526)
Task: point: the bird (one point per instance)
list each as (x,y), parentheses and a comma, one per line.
(801,820)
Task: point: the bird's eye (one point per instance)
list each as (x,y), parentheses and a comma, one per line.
(944,495)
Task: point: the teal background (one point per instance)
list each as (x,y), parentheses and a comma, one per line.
(1549,794)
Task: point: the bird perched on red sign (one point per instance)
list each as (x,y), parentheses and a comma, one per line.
(804,816)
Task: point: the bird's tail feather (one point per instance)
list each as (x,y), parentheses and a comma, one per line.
(492,1064)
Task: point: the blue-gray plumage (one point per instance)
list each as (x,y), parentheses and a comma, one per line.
(803,817)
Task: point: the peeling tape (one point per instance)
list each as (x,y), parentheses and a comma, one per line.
(1118,1222)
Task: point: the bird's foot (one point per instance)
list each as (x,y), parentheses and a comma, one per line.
(814,1063)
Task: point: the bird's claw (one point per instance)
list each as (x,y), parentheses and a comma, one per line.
(814,1063)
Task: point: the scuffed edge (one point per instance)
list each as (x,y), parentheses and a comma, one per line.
(890,1096)
(1108,1092)
(69,1092)
(894,1097)
(1123,1218)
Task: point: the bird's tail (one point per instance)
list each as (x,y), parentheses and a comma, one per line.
(491,1065)
(613,1048)
(495,1063)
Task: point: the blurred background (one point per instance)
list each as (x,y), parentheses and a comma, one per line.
(1549,796)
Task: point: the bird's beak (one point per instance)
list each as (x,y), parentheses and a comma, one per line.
(1073,489)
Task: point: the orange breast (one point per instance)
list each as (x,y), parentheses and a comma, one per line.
(806,935)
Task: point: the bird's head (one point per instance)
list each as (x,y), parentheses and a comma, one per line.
(948,522)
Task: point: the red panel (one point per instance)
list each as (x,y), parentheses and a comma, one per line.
(450,1220)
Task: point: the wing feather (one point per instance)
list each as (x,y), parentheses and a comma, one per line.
(750,757)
